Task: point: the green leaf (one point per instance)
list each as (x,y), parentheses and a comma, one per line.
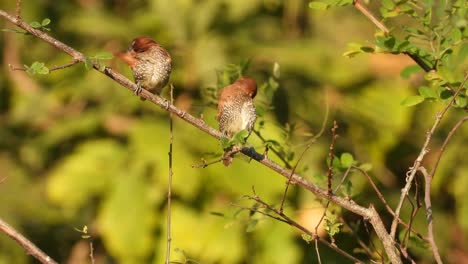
(307,238)
(456,35)
(412,100)
(332,226)
(225,143)
(103,56)
(366,166)
(319,5)
(446,94)
(368,49)
(240,137)
(427,92)
(37,68)
(88,63)
(460,101)
(45,22)
(388,4)
(390,42)
(409,70)
(35,24)
(347,160)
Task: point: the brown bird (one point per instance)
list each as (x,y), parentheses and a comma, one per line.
(151,64)
(236,110)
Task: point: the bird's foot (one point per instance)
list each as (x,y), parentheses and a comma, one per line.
(138,89)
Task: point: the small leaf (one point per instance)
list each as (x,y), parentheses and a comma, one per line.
(307,238)
(225,144)
(409,70)
(241,136)
(446,94)
(412,100)
(88,63)
(319,5)
(427,92)
(103,56)
(331,225)
(390,43)
(388,4)
(460,101)
(366,167)
(35,24)
(347,160)
(367,49)
(456,35)
(45,22)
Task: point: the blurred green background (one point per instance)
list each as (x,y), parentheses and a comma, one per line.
(76,149)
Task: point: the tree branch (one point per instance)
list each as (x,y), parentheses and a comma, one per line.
(427,201)
(424,150)
(367,13)
(25,243)
(367,213)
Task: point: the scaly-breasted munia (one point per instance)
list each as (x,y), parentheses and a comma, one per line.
(151,64)
(236,110)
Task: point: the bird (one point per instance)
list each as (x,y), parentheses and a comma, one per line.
(151,64)
(236,110)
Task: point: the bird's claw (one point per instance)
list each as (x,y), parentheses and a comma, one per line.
(138,89)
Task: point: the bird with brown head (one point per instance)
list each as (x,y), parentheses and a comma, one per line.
(151,64)
(236,110)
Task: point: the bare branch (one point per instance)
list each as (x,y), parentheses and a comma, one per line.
(286,219)
(444,145)
(18,9)
(290,177)
(30,248)
(169,184)
(424,150)
(427,201)
(382,199)
(331,155)
(54,68)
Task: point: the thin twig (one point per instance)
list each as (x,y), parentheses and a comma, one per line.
(54,68)
(358,239)
(286,163)
(91,252)
(367,13)
(206,164)
(290,177)
(317,251)
(286,219)
(60,67)
(331,155)
(368,213)
(427,200)
(424,150)
(382,199)
(30,248)
(444,145)
(18,9)
(169,185)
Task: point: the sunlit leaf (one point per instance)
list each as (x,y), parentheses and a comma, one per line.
(412,100)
